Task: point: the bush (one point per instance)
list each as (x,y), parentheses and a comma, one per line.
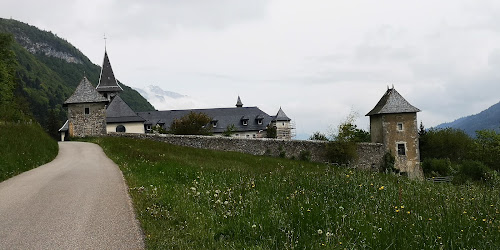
(437,167)
(318,136)
(229,130)
(191,124)
(305,155)
(341,152)
(388,163)
(473,170)
(271,132)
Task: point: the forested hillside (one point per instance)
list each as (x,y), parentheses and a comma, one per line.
(48,70)
(488,119)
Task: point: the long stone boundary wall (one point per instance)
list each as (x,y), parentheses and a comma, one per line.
(370,155)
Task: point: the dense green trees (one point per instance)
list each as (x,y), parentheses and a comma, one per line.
(11,107)
(452,152)
(39,84)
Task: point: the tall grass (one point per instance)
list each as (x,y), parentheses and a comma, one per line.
(200,199)
(23,147)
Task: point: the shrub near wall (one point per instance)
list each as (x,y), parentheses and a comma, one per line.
(370,155)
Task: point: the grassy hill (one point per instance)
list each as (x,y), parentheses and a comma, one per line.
(49,69)
(201,199)
(23,147)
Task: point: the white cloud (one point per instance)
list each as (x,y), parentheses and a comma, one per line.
(317,59)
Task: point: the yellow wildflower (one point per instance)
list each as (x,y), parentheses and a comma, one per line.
(381,188)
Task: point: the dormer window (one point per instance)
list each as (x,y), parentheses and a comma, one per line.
(214,123)
(244,122)
(259,119)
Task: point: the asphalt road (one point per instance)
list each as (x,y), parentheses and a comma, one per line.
(77,201)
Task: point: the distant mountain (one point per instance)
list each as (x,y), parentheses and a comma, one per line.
(487,119)
(50,68)
(168,100)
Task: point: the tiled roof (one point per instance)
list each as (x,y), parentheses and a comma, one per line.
(392,103)
(281,116)
(224,117)
(107,80)
(118,111)
(85,93)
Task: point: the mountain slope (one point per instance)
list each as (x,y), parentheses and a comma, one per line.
(488,119)
(50,68)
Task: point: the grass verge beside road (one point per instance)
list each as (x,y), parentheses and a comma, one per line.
(24,147)
(201,199)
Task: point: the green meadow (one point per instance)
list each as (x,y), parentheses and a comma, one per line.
(189,198)
(24,147)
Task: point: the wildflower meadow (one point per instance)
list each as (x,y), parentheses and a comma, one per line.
(200,199)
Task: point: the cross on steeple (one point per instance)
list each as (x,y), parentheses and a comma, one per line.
(105,41)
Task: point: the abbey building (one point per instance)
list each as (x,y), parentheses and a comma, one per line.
(101,110)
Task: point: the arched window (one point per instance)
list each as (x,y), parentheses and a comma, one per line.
(120,128)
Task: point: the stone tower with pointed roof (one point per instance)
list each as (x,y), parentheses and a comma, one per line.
(393,122)
(282,124)
(86,111)
(108,86)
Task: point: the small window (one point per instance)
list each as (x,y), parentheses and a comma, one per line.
(401,149)
(253,135)
(248,136)
(244,122)
(400,126)
(148,127)
(87,111)
(214,124)
(259,121)
(120,129)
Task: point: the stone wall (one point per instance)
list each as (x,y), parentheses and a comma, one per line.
(92,124)
(370,155)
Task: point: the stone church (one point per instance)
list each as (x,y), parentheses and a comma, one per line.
(101,110)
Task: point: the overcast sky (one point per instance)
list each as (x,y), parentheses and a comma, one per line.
(318,60)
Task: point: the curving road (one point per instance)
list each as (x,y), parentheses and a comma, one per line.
(77,201)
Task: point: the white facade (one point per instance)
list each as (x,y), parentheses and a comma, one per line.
(130,127)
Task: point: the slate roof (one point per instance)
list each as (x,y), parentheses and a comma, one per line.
(118,111)
(107,80)
(85,93)
(392,103)
(223,116)
(281,116)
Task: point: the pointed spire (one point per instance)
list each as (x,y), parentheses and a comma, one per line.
(239,104)
(281,116)
(107,80)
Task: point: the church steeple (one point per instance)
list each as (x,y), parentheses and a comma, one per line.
(108,86)
(239,104)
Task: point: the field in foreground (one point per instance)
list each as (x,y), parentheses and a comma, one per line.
(23,147)
(200,199)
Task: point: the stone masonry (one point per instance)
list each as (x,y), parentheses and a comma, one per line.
(91,124)
(370,155)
